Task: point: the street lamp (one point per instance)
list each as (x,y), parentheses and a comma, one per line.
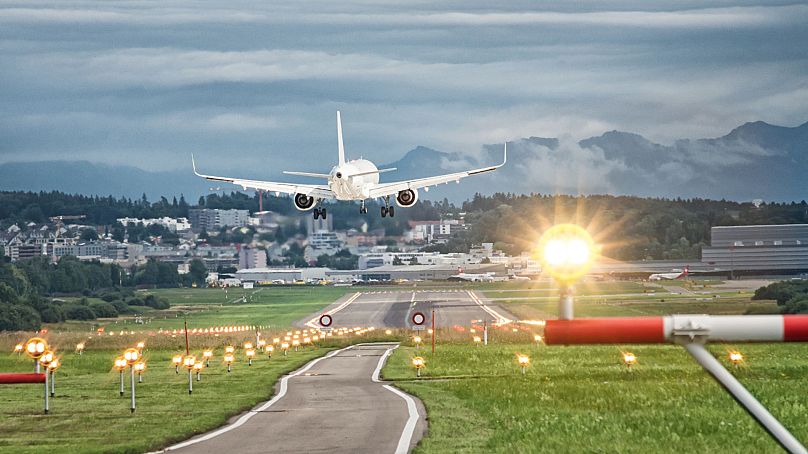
(523,361)
(566,252)
(419,364)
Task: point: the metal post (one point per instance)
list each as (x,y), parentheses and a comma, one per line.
(485,332)
(121,383)
(52,385)
(523,370)
(565,303)
(433,331)
(36,365)
(132,368)
(744,397)
(417,371)
(190,382)
(47,402)
(228,368)
(140,378)
(198,377)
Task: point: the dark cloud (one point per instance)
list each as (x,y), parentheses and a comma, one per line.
(251,85)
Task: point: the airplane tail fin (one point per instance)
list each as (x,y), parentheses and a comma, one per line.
(339,138)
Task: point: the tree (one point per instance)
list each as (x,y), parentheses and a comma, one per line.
(198,272)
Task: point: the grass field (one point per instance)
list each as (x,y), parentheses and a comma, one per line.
(268,306)
(89,416)
(582,399)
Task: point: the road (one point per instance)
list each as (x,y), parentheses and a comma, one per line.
(393,308)
(334,404)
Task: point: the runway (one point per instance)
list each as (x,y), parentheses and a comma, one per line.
(393,308)
(334,404)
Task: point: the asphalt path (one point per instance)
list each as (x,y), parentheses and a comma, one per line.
(394,309)
(334,404)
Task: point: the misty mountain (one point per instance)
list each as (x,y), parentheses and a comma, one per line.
(755,160)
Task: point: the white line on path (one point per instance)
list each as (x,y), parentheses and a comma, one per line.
(409,428)
(254,412)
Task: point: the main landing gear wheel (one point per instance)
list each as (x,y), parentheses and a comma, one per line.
(388,211)
(320,213)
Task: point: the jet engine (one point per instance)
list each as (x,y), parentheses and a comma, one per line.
(304,202)
(407,198)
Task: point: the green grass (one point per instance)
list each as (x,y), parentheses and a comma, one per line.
(88,415)
(203,307)
(582,399)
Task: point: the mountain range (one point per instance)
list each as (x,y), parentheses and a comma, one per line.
(756,160)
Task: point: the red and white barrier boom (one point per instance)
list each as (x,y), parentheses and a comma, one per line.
(691,332)
(567,251)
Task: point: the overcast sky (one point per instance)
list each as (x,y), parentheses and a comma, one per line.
(256,84)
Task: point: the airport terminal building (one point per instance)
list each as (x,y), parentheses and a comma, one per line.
(764,249)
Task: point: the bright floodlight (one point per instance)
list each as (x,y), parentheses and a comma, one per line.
(566,252)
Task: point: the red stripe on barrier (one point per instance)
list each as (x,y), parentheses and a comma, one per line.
(12,379)
(618,330)
(795,328)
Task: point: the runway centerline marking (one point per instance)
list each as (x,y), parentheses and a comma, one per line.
(312,323)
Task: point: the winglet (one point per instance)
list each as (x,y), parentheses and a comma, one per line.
(339,139)
(193,164)
(504,154)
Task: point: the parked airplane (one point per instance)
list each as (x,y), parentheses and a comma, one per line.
(669,276)
(357,179)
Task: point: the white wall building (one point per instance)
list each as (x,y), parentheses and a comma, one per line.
(175,225)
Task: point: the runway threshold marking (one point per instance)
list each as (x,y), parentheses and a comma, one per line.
(500,318)
(246,417)
(409,428)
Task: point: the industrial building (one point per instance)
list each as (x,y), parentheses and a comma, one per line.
(758,249)
(214,219)
(413,272)
(287,275)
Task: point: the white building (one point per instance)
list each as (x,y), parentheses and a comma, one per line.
(434,231)
(249,257)
(175,225)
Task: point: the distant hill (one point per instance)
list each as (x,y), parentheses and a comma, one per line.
(755,160)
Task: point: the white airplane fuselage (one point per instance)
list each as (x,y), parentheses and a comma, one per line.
(353,179)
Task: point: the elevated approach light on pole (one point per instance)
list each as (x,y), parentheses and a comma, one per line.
(18,349)
(417,340)
(198,366)
(523,361)
(207,354)
(418,363)
(177,362)
(566,252)
(477,340)
(80,348)
(285,348)
(34,348)
(296,344)
(46,358)
(228,359)
(736,358)
(140,367)
(120,366)
(629,359)
(537,339)
(250,355)
(269,350)
(53,366)
(189,362)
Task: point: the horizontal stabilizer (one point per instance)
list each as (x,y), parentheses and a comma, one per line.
(308,174)
(372,172)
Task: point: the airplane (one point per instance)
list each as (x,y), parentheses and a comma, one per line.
(357,179)
(669,276)
(471,277)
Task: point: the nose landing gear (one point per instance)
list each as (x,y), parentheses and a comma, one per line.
(362,208)
(387,209)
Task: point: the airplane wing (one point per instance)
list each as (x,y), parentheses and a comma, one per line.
(385,189)
(312,190)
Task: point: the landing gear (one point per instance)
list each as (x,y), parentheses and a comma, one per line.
(387,209)
(320,213)
(362,208)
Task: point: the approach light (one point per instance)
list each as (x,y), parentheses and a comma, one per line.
(248,345)
(229,358)
(306,340)
(418,363)
(120,364)
(566,252)
(417,340)
(54,365)
(46,358)
(18,348)
(189,362)
(198,366)
(477,340)
(250,353)
(139,366)
(80,348)
(176,360)
(537,338)
(629,359)
(35,347)
(736,357)
(388,332)
(141,345)
(207,354)
(276,340)
(229,349)
(131,355)
(523,361)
